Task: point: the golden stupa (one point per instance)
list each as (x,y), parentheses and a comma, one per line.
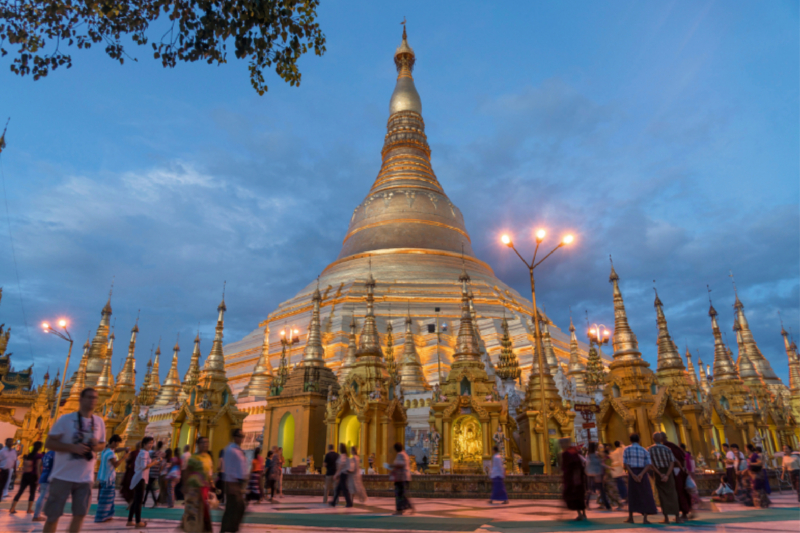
(416,240)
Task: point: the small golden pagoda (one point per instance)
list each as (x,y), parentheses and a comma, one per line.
(412,377)
(630,391)
(211,408)
(262,376)
(192,373)
(72,403)
(762,366)
(467,410)
(105,383)
(153,385)
(576,371)
(296,414)
(117,409)
(147,396)
(727,395)
(366,412)
(98,351)
(670,372)
(169,392)
(794,378)
(36,422)
(133,426)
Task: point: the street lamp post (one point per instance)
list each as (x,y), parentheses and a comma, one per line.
(67,337)
(567,239)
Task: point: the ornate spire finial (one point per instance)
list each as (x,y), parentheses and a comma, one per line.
(369,343)
(626,346)
(668,356)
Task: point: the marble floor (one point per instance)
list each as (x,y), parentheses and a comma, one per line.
(308,514)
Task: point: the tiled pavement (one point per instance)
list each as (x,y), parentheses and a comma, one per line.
(303,514)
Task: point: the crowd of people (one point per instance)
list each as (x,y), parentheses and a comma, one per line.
(618,476)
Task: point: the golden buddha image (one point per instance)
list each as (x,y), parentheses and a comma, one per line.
(467,439)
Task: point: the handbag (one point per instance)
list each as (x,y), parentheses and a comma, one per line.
(174,473)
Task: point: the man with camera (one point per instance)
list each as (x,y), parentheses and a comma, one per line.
(76,438)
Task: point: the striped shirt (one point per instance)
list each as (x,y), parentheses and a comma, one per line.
(661,456)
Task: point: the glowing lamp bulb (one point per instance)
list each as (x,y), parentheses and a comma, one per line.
(296,331)
(506,240)
(62,323)
(283,333)
(593,331)
(606,333)
(540,234)
(45,325)
(568,239)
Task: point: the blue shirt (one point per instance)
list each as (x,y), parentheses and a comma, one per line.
(635,456)
(47,465)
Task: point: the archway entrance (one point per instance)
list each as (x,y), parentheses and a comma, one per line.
(350,431)
(286,437)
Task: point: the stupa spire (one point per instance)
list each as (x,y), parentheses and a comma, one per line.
(412,378)
(215,362)
(547,344)
(405,96)
(261,378)
(350,356)
(745,367)
(668,356)
(626,347)
(126,379)
(703,376)
(575,370)
(73,400)
(105,383)
(369,343)
(192,375)
(723,364)
(794,363)
(314,354)
(391,364)
(466,342)
(690,369)
(749,345)
(171,388)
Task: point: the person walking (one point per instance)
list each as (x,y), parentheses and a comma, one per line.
(271,473)
(141,478)
(594,473)
(618,470)
(174,479)
(197,483)
(219,484)
(31,470)
(401,475)
(281,463)
(498,477)
(130,466)
(107,479)
(637,463)
(8,461)
(156,457)
(44,485)
(163,470)
(681,476)
(790,467)
(574,478)
(663,462)
(609,483)
(355,484)
(235,479)
(342,471)
(76,438)
(255,487)
(330,471)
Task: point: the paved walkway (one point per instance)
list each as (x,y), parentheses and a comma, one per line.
(303,514)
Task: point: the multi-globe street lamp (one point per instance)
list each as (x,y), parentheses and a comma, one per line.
(62,323)
(539,236)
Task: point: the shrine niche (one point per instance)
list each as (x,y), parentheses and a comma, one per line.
(466,412)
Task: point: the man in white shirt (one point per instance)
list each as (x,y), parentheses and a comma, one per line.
(77,438)
(235,478)
(618,470)
(730,465)
(8,460)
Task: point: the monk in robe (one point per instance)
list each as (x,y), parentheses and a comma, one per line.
(684,498)
(574,478)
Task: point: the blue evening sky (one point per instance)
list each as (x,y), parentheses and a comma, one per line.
(663,133)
